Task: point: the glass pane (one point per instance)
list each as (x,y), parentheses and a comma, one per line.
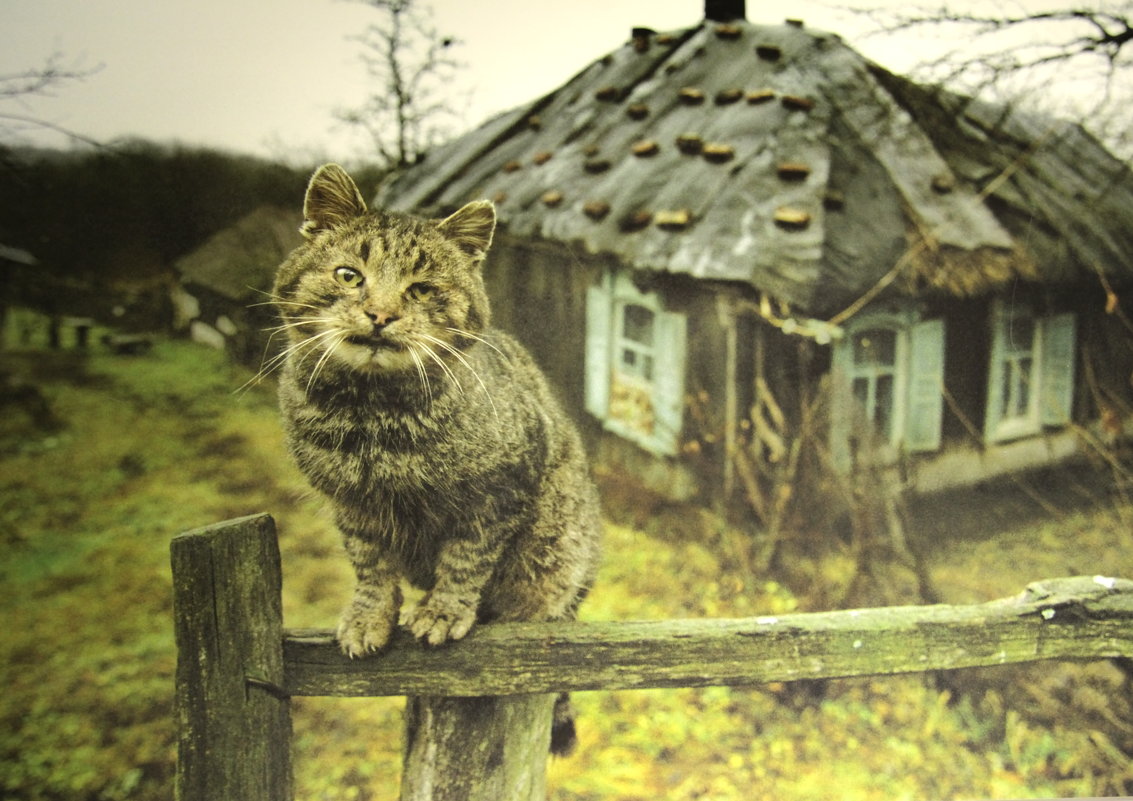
(1021,334)
(1023,393)
(883,404)
(647,368)
(878,346)
(861,391)
(637,324)
(1017,386)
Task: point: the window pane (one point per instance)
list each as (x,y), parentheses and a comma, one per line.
(1017,386)
(1023,392)
(637,324)
(878,346)
(883,404)
(861,391)
(1020,333)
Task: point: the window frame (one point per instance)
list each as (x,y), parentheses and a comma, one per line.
(605,337)
(1051,376)
(916,418)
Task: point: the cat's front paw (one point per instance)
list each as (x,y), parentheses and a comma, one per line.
(440,617)
(364,629)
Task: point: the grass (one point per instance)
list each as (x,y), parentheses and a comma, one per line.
(157,444)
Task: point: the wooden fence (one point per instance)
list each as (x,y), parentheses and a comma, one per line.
(478,719)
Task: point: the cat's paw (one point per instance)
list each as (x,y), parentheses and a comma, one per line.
(440,617)
(364,629)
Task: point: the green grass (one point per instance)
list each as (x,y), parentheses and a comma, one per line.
(155,445)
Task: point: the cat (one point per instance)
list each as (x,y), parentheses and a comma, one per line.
(446,458)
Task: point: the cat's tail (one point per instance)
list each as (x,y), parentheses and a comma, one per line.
(563,736)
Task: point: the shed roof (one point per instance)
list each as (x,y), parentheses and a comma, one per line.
(237,260)
(779,157)
(17,256)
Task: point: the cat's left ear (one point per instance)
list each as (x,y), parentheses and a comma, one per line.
(332,199)
(471,228)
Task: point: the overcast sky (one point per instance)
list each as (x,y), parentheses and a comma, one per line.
(264,76)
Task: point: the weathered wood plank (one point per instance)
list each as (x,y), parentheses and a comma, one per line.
(1071,618)
(234,725)
(477,749)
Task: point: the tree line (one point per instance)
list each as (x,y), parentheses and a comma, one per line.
(126,212)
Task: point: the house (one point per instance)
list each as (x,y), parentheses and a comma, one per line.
(221,298)
(744,251)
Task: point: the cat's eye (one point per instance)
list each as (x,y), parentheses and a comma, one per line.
(349,277)
(420,291)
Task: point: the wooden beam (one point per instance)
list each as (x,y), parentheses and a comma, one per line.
(491,748)
(234,725)
(1078,618)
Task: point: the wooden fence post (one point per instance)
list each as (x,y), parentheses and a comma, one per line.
(234,723)
(479,711)
(491,748)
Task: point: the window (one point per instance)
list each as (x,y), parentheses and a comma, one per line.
(888,373)
(1031,371)
(635,353)
(873,374)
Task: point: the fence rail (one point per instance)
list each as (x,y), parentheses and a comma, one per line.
(238,667)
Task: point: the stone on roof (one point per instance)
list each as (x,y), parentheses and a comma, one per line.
(779,157)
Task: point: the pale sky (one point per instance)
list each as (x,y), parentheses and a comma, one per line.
(264,76)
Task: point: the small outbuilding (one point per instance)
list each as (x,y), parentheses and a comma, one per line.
(753,261)
(222,296)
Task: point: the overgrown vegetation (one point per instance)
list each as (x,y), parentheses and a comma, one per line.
(153,445)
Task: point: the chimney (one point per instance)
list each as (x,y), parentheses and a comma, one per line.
(724,10)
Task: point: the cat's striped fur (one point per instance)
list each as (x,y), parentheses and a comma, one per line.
(446,457)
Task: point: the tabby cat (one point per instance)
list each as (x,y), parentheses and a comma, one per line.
(445,456)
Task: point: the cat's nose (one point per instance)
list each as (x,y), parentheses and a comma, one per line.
(380,319)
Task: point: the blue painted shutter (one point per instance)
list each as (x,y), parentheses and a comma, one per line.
(669,383)
(1057,398)
(925,409)
(993,412)
(599,316)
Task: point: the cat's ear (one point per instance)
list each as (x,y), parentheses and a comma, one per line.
(471,228)
(332,199)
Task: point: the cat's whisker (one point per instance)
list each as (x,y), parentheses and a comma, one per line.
(467,365)
(480,339)
(276,361)
(267,366)
(276,300)
(299,322)
(327,353)
(422,373)
(443,365)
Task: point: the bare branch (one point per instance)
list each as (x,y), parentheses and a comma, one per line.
(412,68)
(43,81)
(1071,60)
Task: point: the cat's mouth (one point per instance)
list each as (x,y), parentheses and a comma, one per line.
(374,342)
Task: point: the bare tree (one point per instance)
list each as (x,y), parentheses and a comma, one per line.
(1075,60)
(17,89)
(410,62)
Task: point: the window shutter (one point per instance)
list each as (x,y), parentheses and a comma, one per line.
(1057,398)
(599,316)
(598,320)
(993,412)
(669,382)
(925,409)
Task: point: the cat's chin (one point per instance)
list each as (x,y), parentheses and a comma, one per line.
(367,358)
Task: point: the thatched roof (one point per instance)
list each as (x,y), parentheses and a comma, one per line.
(779,157)
(239,262)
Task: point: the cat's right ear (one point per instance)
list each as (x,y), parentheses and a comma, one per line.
(332,199)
